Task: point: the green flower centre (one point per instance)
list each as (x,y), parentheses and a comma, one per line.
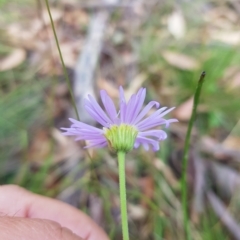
(121,138)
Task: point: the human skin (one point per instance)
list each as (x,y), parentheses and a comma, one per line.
(27,216)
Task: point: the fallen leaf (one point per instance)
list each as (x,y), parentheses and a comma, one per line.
(184,111)
(180,61)
(136,83)
(136,212)
(111,90)
(176,24)
(13,60)
(55,13)
(40,147)
(229,37)
(235,81)
(26,36)
(232,142)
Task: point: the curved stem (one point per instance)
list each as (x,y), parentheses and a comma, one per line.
(62,61)
(123,196)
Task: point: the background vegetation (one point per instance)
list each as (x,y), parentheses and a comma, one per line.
(161,45)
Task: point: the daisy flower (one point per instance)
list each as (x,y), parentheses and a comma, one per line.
(124,129)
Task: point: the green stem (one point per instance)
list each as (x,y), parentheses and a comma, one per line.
(123,196)
(185,158)
(62,61)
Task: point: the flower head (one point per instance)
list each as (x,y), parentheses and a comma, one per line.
(129,127)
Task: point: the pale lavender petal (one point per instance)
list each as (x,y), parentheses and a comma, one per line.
(122,105)
(91,138)
(84,125)
(166,112)
(122,112)
(109,105)
(134,105)
(156,122)
(92,103)
(159,134)
(152,123)
(97,144)
(153,116)
(121,93)
(130,108)
(139,103)
(145,111)
(136,144)
(97,117)
(170,121)
(144,140)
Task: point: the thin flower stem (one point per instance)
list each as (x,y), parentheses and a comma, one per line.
(123,196)
(67,79)
(62,61)
(185,158)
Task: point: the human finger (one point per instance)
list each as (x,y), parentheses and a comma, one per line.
(16,201)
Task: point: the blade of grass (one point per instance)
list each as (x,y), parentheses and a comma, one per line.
(185,157)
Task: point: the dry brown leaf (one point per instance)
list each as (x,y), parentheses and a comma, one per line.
(25,36)
(111,90)
(232,143)
(229,37)
(56,15)
(180,61)
(13,60)
(136,83)
(40,147)
(184,111)
(76,17)
(235,82)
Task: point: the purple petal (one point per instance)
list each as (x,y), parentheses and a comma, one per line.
(156,122)
(145,111)
(130,108)
(96,116)
(91,138)
(151,117)
(136,144)
(154,116)
(144,140)
(109,105)
(121,93)
(92,103)
(122,112)
(159,134)
(152,123)
(166,112)
(84,125)
(170,121)
(139,103)
(97,144)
